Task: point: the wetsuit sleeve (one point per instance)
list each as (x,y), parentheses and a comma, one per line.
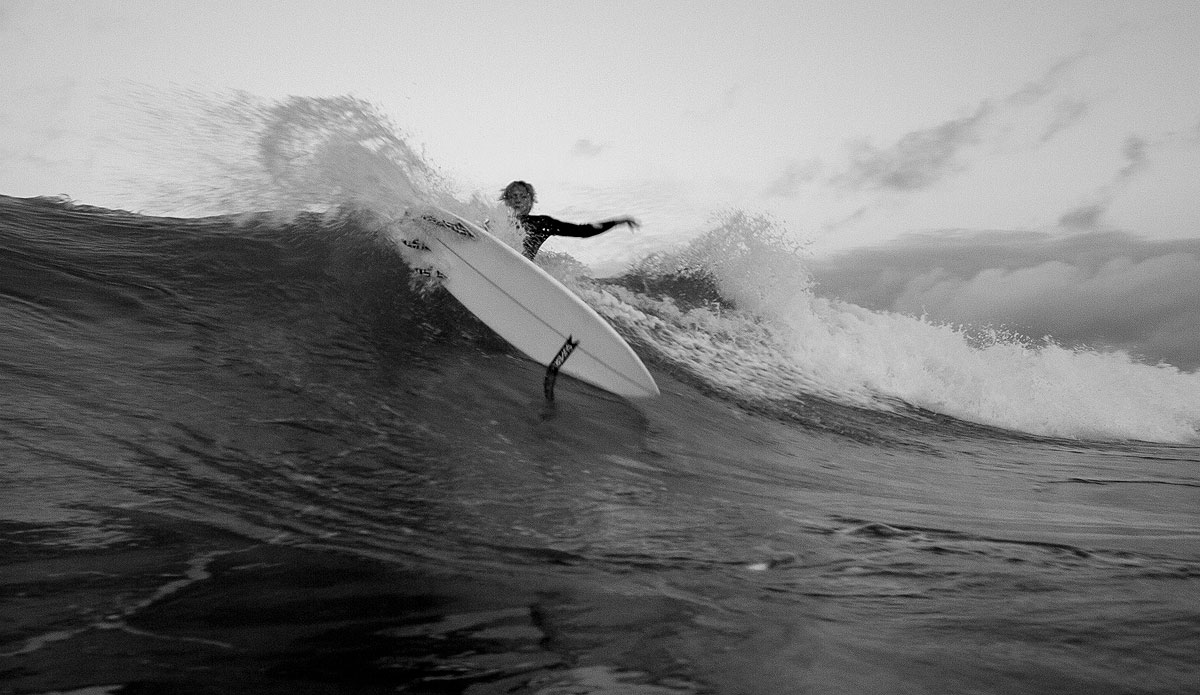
(539,228)
(548,226)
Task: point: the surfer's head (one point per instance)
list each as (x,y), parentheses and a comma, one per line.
(519,196)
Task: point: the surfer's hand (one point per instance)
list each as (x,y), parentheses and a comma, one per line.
(633,224)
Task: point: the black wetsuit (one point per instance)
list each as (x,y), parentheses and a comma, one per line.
(539,228)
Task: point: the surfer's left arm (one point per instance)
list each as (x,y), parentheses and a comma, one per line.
(551,226)
(617,222)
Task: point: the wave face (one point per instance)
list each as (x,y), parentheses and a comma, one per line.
(760,334)
(261,441)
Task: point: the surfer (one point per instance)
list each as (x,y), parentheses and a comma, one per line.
(519,197)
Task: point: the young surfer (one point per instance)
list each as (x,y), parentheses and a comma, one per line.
(519,196)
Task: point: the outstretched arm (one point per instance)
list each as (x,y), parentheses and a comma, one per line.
(618,221)
(542,224)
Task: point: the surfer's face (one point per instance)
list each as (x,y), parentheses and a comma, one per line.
(520,199)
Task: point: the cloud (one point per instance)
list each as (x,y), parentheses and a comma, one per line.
(1135,156)
(921,158)
(1104,290)
(793,178)
(1085,217)
(586,148)
(1137,152)
(1116,300)
(1089,216)
(1035,91)
(916,160)
(1066,114)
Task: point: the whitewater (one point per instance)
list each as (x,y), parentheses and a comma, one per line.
(247,447)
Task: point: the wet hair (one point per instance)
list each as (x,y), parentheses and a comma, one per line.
(504,195)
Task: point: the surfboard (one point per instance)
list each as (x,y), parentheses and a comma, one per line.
(524,304)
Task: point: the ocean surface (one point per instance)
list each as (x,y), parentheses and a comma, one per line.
(260,452)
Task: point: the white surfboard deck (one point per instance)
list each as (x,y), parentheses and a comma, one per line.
(524,304)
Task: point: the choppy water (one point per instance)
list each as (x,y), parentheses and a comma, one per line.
(253,454)
(258,453)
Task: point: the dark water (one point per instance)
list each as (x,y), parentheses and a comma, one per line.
(245,455)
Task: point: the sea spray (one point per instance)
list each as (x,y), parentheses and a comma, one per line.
(196,153)
(753,326)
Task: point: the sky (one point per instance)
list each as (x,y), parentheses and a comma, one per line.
(858,125)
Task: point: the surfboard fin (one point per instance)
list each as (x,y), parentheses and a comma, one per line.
(555,364)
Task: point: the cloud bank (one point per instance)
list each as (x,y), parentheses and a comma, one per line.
(1100,290)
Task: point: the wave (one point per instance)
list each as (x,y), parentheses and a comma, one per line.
(735,310)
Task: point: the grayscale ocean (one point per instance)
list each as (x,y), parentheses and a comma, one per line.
(255,452)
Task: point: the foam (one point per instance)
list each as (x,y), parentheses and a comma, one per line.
(783,340)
